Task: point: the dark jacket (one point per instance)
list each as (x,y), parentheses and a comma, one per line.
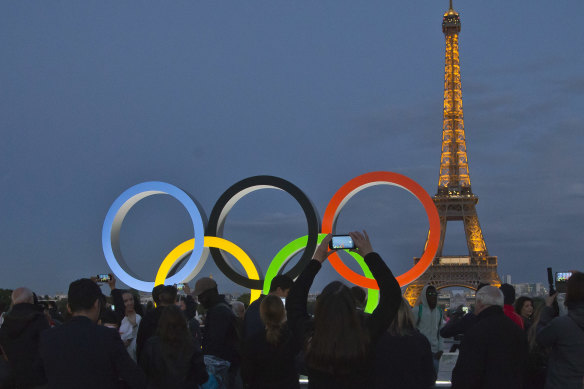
(493,353)
(375,324)
(265,366)
(147,328)
(186,370)
(252,323)
(565,336)
(458,326)
(19,337)
(81,354)
(220,333)
(404,362)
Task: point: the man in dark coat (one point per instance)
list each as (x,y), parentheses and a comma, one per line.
(19,337)
(81,354)
(221,339)
(493,353)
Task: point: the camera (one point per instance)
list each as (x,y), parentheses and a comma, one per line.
(341,242)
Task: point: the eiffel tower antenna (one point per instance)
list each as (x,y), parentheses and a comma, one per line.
(454,199)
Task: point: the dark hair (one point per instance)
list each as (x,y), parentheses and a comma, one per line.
(173,331)
(359,295)
(108,316)
(519,303)
(167,295)
(340,343)
(82,295)
(508,293)
(156,293)
(272,313)
(575,288)
(281,281)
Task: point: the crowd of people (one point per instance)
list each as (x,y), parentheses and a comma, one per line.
(505,342)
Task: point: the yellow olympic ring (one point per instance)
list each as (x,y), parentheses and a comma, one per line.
(209,241)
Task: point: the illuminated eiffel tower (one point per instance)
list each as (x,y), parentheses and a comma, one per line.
(454,199)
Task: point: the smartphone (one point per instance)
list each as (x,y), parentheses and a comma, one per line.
(103,278)
(341,242)
(562,280)
(180,286)
(465,309)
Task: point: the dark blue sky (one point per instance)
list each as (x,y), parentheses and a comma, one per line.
(99,96)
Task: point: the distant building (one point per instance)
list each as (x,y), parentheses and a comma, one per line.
(530,289)
(508,279)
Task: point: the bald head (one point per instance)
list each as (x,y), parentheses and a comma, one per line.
(22,295)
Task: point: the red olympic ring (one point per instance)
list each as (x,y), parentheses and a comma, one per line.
(366,180)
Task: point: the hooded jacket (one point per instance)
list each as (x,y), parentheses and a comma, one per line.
(429,321)
(565,335)
(19,337)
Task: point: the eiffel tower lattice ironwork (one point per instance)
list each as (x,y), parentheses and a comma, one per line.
(454,199)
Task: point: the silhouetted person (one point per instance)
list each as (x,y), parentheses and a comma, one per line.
(565,336)
(339,350)
(509,296)
(280,286)
(493,353)
(163,295)
(82,354)
(428,318)
(19,337)
(171,358)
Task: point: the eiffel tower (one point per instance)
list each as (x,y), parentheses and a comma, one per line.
(454,199)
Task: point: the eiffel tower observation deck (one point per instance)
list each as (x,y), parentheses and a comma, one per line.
(454,199)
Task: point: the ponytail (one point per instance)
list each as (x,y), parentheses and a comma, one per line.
(273,315)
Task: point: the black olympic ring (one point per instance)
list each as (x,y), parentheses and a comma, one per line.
(237,191)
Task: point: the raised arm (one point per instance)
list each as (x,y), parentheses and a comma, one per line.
(389,290)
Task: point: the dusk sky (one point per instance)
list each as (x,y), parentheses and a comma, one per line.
(99,96)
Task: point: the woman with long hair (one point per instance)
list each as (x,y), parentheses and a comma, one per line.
(171,359)
(524,308)
(269,356)
(130,323)
(403,356)
(339,348)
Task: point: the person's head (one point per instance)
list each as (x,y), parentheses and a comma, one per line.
(181,303)
(128,301)
(403,322)
(109,319)
(281,285)
(85,299)
(206,291)
(273,314)
(167,295)
(524,306)
(487,297)
(359,295)
(431,296)
(575,289)
(172,327)
(508,293)
(339,342)
(238,309)
(22,295)
(156,293)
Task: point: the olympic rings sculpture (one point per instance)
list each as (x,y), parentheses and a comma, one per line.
(210,239)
